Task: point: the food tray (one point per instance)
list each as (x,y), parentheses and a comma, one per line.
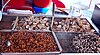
(52,34)
(70,41)
(39,23)
(72,25)
(7,23)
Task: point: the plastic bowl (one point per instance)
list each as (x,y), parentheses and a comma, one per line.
(40,10)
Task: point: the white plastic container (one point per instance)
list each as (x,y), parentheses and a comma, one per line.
(75,10)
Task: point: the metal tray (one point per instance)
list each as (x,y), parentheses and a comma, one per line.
(66,40)
(20,17)
(6,14)
(57,19)
(93,25)
(37,53)
(7,23)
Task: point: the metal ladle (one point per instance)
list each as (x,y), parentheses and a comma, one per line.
(8,43)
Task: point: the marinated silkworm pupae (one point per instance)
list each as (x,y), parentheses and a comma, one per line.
(28,42)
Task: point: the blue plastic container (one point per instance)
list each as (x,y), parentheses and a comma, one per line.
(40,10)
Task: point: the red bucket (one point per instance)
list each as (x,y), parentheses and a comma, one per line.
(42,3)
(16,3)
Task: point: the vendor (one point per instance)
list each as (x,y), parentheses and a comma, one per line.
(29,4)
(43,6)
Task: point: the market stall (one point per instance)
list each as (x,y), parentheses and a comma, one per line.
(44,34)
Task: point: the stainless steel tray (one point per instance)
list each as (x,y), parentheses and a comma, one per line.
(58,19)
(27,15)
(7,23)
(19,18)
(52,20)
(66,40)
(36,53)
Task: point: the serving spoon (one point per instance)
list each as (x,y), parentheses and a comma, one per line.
(8,43)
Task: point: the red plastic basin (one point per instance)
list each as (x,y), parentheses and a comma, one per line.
(42,3)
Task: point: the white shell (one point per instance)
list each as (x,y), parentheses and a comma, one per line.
(47,28)
(47,24)
(59,26)
(55,23)
(27,26)
(30,29)
(46,19)
(60,22)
